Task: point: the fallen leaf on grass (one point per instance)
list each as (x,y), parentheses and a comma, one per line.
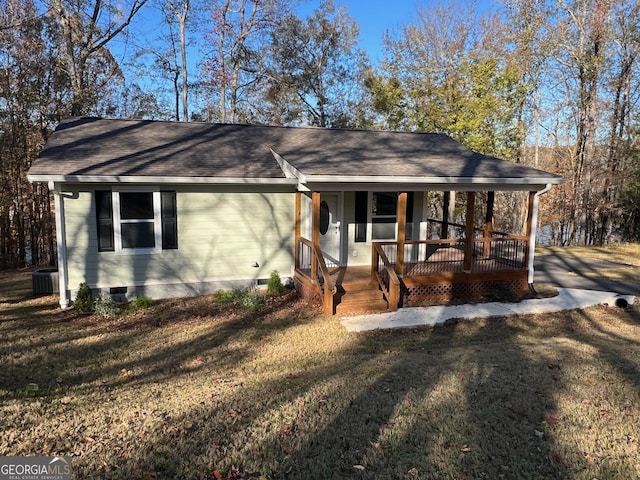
(413,472)
(148,476)
(552,420)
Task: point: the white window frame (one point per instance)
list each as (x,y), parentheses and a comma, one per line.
(371,216)
(117,221)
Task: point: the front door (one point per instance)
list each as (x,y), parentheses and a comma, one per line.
(330,226)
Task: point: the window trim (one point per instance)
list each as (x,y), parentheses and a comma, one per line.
(366,236)
(371,216)
(157,221)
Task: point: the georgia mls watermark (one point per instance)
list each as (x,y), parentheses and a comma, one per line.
(35,468)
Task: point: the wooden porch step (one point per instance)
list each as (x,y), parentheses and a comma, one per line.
(359,285)
(361,300)
(379,306)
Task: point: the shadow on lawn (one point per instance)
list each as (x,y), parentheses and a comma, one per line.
(67,350)
(496,404)
(461,400)
(403,421)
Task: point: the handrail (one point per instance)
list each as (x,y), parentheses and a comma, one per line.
(459,225)
(488,254)
(324,270)
(329,288)
(392,291)
(440,241)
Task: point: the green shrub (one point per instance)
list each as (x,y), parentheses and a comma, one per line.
(228,296)
(241,297)
(274,285)
(251,300)
(105,306)
(84,299)
(140,303)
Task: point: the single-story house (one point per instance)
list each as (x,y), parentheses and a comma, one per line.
(175,209)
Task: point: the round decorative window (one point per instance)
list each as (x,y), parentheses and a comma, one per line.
(324,217)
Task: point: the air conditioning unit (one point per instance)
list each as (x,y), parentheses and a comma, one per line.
(44,281)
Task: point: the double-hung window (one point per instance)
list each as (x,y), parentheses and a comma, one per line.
(384,215)
(136,221)
(376,216)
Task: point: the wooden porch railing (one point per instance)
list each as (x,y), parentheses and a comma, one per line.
(494,254)
(383,272)
(312,268)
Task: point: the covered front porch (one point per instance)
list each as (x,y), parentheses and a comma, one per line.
(429,261)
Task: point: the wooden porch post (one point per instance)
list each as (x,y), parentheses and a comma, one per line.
(315,231)
(446,207)
(469,232)
(296,231)
(402,230)
(488,224)
(529,227)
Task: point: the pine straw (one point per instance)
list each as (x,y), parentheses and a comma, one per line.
(190,389)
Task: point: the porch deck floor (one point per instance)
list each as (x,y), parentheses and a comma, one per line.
(457,266)
(351,275)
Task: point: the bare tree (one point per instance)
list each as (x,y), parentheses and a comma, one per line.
(181,9)
(85,35)
(240,28)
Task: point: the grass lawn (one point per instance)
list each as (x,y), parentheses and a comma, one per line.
(194,389)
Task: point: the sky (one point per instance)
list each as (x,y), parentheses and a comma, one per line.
(374,18)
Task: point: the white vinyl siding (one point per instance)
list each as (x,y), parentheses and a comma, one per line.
(222,235)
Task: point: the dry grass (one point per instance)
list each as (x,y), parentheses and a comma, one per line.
(190,390)
(620,253)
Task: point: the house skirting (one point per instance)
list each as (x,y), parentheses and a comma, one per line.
(177,289)
(425,290)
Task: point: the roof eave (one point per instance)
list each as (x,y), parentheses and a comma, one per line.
(430,180)
(379,183)
(130,179)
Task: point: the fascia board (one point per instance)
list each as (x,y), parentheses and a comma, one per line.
(419,187)
(289,170)
(161,180)
(336,179)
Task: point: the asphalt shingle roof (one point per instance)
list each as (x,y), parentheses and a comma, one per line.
(101,147)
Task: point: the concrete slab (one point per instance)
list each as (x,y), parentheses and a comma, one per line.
(567,299)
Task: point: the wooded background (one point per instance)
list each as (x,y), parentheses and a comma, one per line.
(552,84)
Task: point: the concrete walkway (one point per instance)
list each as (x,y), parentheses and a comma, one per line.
(567,299)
